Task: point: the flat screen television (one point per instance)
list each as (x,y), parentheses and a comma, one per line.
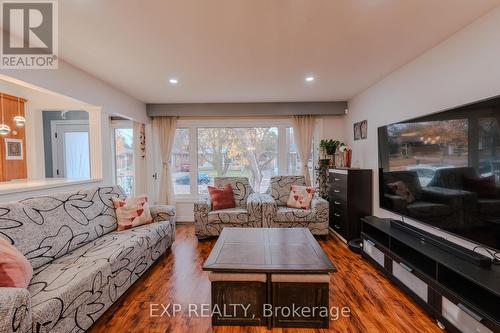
(443,170)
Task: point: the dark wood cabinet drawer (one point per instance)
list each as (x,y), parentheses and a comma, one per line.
(338,202)
(338,179)
(338,221)
(350,198)
(339,192)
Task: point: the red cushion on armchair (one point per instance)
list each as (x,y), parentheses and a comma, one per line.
(221,198)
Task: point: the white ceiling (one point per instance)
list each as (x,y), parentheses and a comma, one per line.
(253,50)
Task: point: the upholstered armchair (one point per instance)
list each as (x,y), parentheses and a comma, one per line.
(276,214)
(246,214)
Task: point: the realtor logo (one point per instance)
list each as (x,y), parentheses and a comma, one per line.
(29,35)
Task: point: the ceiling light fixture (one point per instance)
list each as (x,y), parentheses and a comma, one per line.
(310,78)
(173,81)
(19,120)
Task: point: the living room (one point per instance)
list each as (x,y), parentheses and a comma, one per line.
(250,166)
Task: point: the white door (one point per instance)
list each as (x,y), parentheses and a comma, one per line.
(70,149)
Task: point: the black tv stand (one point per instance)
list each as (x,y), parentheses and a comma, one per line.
(457,250)
(460,294)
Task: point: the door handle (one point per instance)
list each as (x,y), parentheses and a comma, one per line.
(336,179)
(336,226)
(336,191)
(336,202)
(337,215)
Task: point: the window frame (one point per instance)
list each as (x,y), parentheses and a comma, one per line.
(114,125)
(283,148)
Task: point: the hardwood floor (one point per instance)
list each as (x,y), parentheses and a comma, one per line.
(375,304)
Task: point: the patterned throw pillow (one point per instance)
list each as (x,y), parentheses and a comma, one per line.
(132,212)
(400,188)
(221,198)
(300,197)
(15,269)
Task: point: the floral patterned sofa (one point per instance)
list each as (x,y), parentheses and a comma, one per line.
(81,263)
(257,210)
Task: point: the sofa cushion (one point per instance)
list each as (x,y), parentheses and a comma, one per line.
(287,214)
(221,198)
(280,187)
(15,270)
(132,212)
(300,197)
(240,186)
(424,209)
(58,290)
(119,248)
(230,215)
(46,228)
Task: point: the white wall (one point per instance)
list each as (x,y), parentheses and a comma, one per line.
(73,82)
(464,68)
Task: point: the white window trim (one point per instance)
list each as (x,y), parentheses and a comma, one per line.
(117,124)
(194,124)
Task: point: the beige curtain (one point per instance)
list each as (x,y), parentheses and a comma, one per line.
(303,131)
(139,158)
(165,134)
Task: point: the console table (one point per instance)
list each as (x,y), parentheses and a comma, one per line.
(462,296)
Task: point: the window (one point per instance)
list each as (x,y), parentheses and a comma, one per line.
(237,152)
(180,162)
(256,150)
(124,159)
(489,147)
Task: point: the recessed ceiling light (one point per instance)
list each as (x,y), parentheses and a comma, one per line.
(173,81)
(309,78)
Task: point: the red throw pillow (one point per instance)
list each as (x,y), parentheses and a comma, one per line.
(221,198)
(15,269)
(485,187)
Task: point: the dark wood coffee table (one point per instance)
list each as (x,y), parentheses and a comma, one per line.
(276,253)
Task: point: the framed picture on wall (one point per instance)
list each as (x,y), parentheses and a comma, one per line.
(364,129)
(14,149)
(361,130)
(357,131)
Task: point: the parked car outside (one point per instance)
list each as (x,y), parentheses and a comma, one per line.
(203,178)
(426,172)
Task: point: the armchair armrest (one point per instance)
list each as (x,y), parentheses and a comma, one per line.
(320,208)
(15,310)
(162,213)
(269,208)
(203,205)
(397,202)
(254,207)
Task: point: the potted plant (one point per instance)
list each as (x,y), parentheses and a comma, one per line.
(330,146)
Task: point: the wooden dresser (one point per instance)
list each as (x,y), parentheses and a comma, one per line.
(351,198)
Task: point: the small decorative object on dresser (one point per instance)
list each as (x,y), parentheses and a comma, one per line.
(350,197)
